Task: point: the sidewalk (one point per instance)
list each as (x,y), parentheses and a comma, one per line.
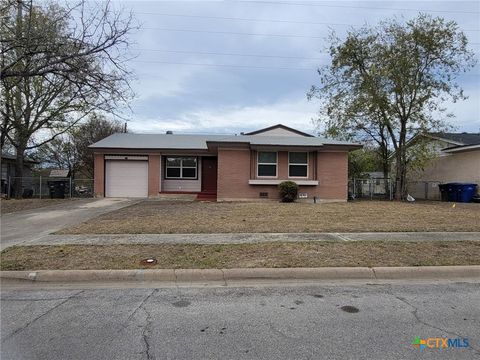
(247,238)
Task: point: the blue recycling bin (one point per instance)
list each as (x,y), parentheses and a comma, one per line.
(460,192)
(465,192)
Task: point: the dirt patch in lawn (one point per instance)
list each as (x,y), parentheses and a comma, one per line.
(271,255)
(14,205)
(154,217)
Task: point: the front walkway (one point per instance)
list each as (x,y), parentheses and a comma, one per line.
(245,238)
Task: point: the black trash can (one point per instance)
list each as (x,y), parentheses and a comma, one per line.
(57,189)
(452,191)
(443,192)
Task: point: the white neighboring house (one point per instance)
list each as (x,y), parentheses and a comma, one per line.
(458,160)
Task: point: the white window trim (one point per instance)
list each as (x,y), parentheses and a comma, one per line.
(181,167)
(276,165)
(307,165)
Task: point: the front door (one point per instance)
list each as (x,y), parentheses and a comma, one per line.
(209,174)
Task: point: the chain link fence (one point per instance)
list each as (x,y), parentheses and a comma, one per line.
(424,190)
(370,188)
(48,187)
(380,188)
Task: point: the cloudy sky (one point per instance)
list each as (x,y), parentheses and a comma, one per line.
(232,66)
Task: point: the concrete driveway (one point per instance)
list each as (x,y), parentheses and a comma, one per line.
(26,226)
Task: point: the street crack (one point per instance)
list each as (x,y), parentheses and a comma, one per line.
(28,324)
(421,321)
(148,324)
(145,299)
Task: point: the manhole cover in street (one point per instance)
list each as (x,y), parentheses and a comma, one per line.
(149,261)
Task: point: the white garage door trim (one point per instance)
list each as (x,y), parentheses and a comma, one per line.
(125,178)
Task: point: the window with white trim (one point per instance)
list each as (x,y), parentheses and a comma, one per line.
(181,168)
(267,164)
(298,164)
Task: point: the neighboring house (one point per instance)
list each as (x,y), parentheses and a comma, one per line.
(8,173)
(457,160)
(244,167)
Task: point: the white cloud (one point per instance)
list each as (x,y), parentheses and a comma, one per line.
(295,112)
(192,98)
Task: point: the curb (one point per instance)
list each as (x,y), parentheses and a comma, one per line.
(224,276)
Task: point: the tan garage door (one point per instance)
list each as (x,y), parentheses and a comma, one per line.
(126,178)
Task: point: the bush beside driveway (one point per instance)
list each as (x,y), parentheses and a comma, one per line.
(164,217)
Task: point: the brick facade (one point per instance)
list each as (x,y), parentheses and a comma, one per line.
(236,166)
(99,175)
(153,174)
(235,169)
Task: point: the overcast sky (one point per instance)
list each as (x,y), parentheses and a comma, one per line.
(221,67)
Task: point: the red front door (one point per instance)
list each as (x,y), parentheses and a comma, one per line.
(209,174)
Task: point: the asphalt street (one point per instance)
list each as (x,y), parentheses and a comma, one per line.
(321,321)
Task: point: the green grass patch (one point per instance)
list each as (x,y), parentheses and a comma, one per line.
(271,255)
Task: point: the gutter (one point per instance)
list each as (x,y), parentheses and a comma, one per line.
(226,277)
(461,148)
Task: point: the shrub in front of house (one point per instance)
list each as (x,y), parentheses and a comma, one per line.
(288,191)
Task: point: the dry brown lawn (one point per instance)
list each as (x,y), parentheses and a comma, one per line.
(304,254)
(154,217)
(14,205)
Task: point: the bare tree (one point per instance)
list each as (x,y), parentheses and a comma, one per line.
(58,65)
(71,150)
(59,153)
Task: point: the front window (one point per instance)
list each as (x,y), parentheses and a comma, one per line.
(297,164)
(267,164)
(181,168)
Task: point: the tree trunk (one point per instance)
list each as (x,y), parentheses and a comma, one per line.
(386,170)
(18,184)
(386,179)
(400,174)
(403,172)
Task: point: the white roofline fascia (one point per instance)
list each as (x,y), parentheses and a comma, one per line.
(444,139)
(462,148)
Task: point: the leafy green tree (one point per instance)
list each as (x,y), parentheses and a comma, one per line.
(392,81)
(421,152)
(363,161)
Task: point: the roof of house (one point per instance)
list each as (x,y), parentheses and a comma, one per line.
(458,138)
(278,126)
(12,157)
(199,142)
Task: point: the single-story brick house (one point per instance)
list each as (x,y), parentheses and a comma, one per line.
(223,167)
